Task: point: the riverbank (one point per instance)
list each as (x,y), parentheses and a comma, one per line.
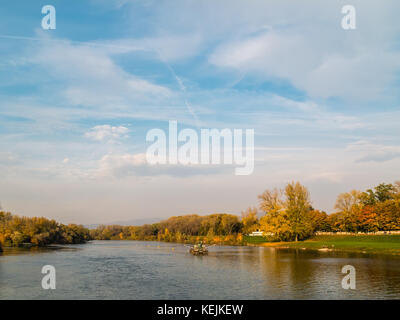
(369,244)
(373,244)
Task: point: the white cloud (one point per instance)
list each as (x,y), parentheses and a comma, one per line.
(357,71)
(373,152)
(91,78)
(107,133)
(120,164)
(167,47)
(125,165)
(306,45)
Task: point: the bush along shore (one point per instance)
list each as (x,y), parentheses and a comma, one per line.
(18,231)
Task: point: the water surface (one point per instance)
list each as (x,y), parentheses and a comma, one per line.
(156,270)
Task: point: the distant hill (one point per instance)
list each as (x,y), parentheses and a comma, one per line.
(133,222)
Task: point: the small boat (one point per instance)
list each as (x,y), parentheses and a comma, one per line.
(198,249)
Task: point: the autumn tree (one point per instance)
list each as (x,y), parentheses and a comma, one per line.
(271,200)
(388,215)
(250,220)
(397,189)
(346,201)
(365,220)
(287,211)
(278,224)
(298,207)
(15,231)
(319,220)
(373,210)
(381,193)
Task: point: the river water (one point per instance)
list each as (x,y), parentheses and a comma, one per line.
(156,270)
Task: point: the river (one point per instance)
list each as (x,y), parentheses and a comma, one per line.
(157,270)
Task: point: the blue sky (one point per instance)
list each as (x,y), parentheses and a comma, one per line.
(76,102)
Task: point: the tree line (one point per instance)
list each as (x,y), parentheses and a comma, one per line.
(283,214)
(38,231)
(289,215)
(188,228)
(376,209)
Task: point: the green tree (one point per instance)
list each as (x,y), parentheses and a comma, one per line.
(381,193)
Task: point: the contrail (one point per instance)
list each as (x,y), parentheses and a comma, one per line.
(183,89)
(180,84)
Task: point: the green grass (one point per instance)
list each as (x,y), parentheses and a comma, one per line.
(383,244)
(257,239)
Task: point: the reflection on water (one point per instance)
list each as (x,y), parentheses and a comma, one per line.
(153,270)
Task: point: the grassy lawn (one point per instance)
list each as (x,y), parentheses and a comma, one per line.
(384,244)
(257,239)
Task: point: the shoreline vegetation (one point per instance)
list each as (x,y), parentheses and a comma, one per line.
(354,243)
(16,231)
(286,219)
